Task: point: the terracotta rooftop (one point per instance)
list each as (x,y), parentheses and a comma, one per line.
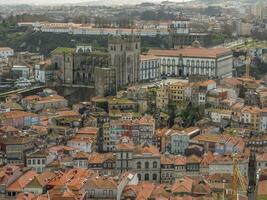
(180,160)
(88,131)
(262,189)
(192,52)
(193,159)
(99,158)
(166,160)
(147,57)
(251,109)
(125,146)
(147,148)
(140,191)
(67,113)
(207,138)
(16,114)
(100,182)
(183,185)
(21,182)
(25,196)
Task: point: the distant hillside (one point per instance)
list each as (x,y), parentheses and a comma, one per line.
(47,42)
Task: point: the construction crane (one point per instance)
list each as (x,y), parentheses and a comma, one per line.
(238,180)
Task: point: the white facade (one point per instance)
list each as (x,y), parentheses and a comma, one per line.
(181,26)
(149,68)
(263,121)
(6,51)
(22,71)
(77,29)
(84,144)
(217,115)
(245,117)
(227,168)
(39,74)
(196,61)
(38,164)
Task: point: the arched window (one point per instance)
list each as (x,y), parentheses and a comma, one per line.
(180,61)
(202,63)
(167,175)
(155,177)
(146,165)
(138,165)
(197,63)
(169,62)
(212,64)
(207,63)
(155,164)
(164,61)
(139,177)
(192,63)
(173,62)
(146,177)
(188,63)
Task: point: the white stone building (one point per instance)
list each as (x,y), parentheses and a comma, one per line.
(5,52)
(215,63)
(149,67)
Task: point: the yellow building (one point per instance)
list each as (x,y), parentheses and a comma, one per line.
(263,98)
(162,98)
(177,93)
(250,116)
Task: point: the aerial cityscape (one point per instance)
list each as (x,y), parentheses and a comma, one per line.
(133,100)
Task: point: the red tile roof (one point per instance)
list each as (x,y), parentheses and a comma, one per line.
(21,182)
(192,52)
(183,185)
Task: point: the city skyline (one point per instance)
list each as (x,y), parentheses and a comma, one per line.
(49,2)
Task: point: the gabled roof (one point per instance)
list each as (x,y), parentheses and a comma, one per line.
(193,159)
(180,160)
(88,131)
(41,180)
(166,160)
(25,196)
(81,155)
(62,192)
(22,182)
(147,148)
(201,187)
(183,185)
(100,182)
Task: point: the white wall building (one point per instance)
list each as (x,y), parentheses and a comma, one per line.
(263,120)
(6,51)
(217,115)
(215,63)
(39,74)
(226,167)
(21,71)
(82,144)
(149,67)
